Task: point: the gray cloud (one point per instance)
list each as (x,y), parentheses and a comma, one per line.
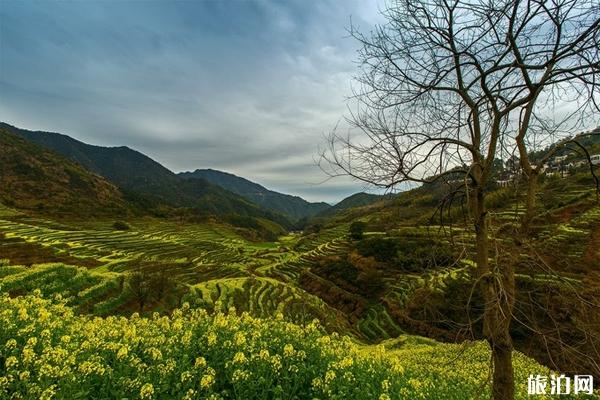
(247,87)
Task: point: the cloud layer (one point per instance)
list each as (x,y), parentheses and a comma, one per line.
(246,87)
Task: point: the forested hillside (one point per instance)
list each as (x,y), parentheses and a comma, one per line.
(36,179)
(292,206)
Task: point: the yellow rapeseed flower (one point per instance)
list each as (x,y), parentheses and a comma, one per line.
(239,358)
(147,391)
(239,338)
(240,375)
(200,362)
(264,354)
(211,339)
(207,381)
(346,362)
(288,350)
(122,353)
(385,385)
(11,362)
(48,393)
(329,376)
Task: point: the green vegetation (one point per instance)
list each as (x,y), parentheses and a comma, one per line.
(39,180)
(48,352)
(378,274)
(293,207)
(147,186)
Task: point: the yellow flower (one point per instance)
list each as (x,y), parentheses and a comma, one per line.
(384,396)
(186,338)
(200,362)
(240,375)
(212,339)
(415,383)
(239,358)
(329,376)
(264,354)
(43,315)
(385,385)
(155,353)
(10,344)
(276,362)
(122,353)
(346,362)
(324,340)
(397,368)
(190,395)
(288,350)
(24,376)
(11,362)
(186,376)
(48,393)
(147,391)
(239,338)
(28,354)
(207,381)
(23,314)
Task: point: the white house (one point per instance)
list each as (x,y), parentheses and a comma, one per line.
(560,159)
(595,159)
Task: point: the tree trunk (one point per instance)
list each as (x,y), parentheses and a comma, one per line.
(497,284)
(532,183)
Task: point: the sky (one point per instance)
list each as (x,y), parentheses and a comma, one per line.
(248,87)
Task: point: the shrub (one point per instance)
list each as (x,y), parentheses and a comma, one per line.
(121,226)
(357,229)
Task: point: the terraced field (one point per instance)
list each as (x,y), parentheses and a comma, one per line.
(86,291)
(218,267)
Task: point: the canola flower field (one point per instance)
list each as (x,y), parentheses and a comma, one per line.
(47,351)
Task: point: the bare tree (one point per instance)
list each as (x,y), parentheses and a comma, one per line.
(449,86)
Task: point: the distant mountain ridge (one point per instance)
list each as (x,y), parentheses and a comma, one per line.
(293,206)
(356,200)
(137,173)
(208,191)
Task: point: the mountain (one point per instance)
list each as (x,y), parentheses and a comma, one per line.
(356,200)
(139,175)
(34,178)
(293,206)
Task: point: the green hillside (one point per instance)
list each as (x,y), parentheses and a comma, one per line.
(36,179)
(354,201)
(292,206)
(152,186)
(410,250)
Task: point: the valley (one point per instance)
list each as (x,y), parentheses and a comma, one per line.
(392,278)
(403,280)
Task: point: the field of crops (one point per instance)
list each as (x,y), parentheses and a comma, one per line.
(76,334)
(50,352)
(217,268)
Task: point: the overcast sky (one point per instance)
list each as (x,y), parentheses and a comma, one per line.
(248,87)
